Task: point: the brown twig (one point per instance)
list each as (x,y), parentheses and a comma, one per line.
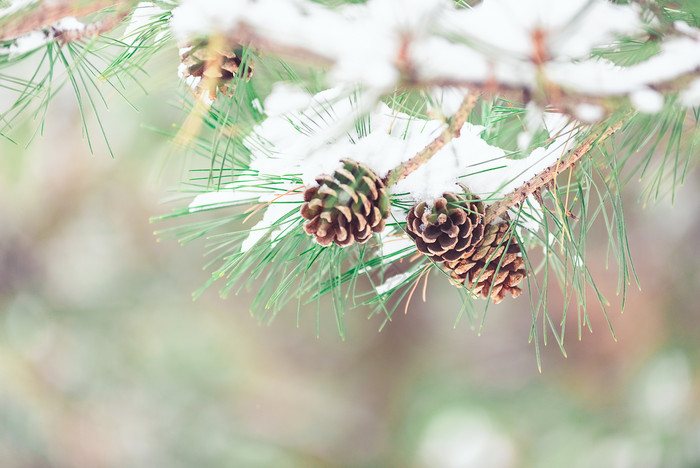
(548,175)
(47,13)
(102,26)
(452,131)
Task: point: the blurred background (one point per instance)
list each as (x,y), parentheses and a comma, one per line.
(105,360)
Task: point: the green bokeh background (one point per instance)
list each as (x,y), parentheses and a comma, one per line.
(105,360)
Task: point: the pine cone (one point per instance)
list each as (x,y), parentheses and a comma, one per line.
(480,267)
(450,230)
(216,67)
(346,207)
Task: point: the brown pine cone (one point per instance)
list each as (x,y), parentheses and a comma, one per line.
(346,207)
(215,66)
(450,230)
(478,270)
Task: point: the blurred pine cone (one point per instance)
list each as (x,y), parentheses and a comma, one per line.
(214,66)
(450,230)
(346,207)
(478,270)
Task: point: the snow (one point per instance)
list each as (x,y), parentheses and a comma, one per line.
(285,98)
(15,6)
(143,15)
(365,46)
(394,281)
(280,146)
(570,28)
(688,30)
(393,243)
(589,113)
(647,100)
(444,101)
(600,77)
(273,213)
(68,23)
(691,96)
(296,143)
(491,42)
(533,122)
(220,198)
(29,42)
(35,39)
(204,17)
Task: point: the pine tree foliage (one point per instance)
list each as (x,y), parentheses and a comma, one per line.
(544,110)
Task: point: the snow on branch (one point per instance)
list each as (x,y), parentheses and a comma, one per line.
(539,50)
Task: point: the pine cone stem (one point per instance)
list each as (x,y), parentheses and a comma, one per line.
(519,195)
(452,131)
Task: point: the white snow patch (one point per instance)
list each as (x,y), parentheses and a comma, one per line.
(589,113)
(688,30)
(273,213)
(393,281)
(569,28)
(143,14)
(221,198)
(601,77)
(392,243)
(15,6)
(647,100)
(28,42)
(69,23)
(286,97)
(691,96)
(445,101)
(257,105)
(299,143)
(204,17)
(534,115)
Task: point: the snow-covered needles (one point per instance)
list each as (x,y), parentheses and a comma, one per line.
(541,49)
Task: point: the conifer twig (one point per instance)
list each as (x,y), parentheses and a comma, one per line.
(48,13)
(452,131)
(102,26)
(545,177)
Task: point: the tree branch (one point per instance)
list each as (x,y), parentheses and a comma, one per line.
(452,131)
(102,26)
(545,177)
(48,13)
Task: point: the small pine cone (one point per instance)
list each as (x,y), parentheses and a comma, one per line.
(451,230)
(216,67)
(346,207)
(498,246)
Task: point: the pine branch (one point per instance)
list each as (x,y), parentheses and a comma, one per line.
(48,13)
(102,26)
(547,176)
(452,131)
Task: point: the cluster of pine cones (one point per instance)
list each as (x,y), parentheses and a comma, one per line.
(353,203)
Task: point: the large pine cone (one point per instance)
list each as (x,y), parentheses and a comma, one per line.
(346,207)
(478,270)
(450,230)
(215,66)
